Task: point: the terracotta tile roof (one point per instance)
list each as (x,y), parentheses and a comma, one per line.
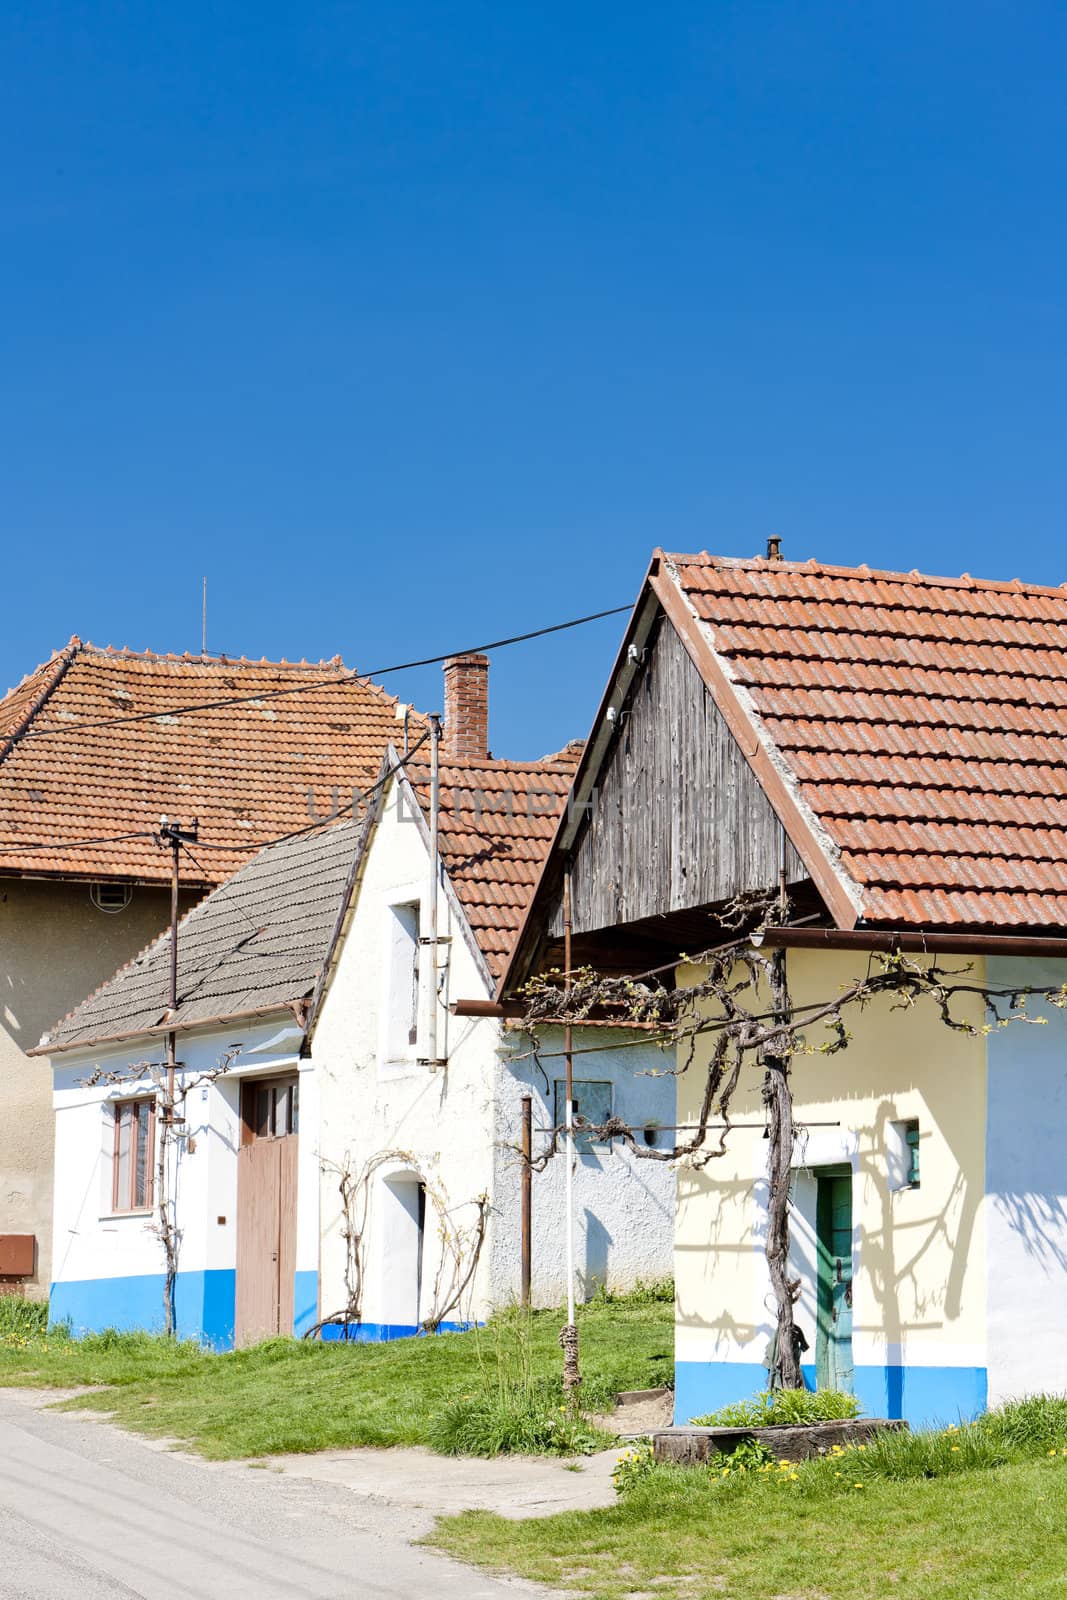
(497,821)
(257,944)
(920,720)
(245,770)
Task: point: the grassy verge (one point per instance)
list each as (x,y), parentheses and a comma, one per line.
(287,1395)
(967,1514)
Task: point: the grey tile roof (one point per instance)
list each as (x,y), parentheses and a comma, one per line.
(256,944)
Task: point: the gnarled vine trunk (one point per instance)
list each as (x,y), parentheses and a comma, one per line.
(778,1099)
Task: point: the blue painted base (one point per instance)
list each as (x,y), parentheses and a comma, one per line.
(919,1395)
(305,1302)
(383,1332)
(203,1304)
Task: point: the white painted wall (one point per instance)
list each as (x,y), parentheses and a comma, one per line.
(624,1205)
(449,1124)
(376,1100)
(89,1241)
(1026,1180)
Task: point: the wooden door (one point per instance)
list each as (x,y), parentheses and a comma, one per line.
(833,1354)
(266,1210)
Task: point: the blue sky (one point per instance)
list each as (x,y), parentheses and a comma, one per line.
(416,325)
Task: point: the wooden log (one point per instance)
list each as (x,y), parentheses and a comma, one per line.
(693,1446)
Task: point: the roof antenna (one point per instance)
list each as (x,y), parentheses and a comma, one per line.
(203,623)
(774,548)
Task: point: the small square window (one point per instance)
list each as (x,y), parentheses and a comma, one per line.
(902,1154)
(592,1102)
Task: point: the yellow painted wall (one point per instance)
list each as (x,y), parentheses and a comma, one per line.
(56,947)
(920,1253)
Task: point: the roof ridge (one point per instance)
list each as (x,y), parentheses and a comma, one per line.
(830,570)
(60,662)
(115,652)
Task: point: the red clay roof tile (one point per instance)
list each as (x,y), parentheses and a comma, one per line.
(245,770)
(497,821)
(922,720)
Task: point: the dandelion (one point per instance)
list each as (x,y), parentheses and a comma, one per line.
(857,1486)
(1052,1452)
(956,1450)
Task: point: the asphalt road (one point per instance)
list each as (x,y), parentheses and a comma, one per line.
(89,1512)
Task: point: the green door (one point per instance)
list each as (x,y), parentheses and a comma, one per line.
(833,1227)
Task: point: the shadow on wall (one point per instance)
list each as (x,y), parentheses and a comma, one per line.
(894,1276)
(597,1254)
(732,1222)
(1040,1220)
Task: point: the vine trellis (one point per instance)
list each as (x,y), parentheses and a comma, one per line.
(741,1003)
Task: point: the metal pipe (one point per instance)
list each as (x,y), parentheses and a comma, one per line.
(569,1093)
(486,1008)
(435,878)
(916,941)
(526,1213)
(175,873)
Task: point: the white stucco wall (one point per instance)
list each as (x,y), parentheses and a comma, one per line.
(99,1256)
(624,1205)
(437,1122)
(1026,1180)
(451,1121)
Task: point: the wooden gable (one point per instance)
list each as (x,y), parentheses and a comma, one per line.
(678,822)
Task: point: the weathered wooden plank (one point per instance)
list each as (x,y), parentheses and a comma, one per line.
(679,819)
(693,1446)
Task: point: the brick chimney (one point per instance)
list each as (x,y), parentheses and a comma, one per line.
(466,708)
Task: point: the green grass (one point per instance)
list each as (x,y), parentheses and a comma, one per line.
(976,1513)
(287,1395)
(783,1408)
(989,1535)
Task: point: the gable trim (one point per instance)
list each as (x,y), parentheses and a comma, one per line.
(642,619)
(392,768)
(60,666)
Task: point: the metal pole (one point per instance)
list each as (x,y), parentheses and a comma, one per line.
(572,1376)
(435,878)
(526,1240)
(175,856)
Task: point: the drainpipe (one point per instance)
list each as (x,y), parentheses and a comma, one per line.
(435,879)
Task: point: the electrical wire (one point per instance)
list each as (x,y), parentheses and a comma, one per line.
(65,846)
(240,846)
(318,683)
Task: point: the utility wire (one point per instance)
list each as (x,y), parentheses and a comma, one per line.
(64,847)
(318,683)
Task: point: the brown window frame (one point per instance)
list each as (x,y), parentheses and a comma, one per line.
(124,1205)
(289,1083)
